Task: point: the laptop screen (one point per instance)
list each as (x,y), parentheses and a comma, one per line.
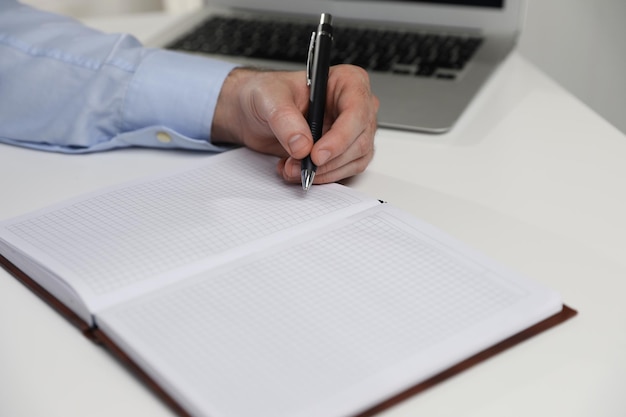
(480,3)
(484,15)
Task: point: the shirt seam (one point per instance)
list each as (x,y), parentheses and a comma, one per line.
(62,56)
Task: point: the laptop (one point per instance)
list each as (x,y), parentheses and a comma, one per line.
(427,59)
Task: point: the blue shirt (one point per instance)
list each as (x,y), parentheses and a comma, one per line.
(67,88)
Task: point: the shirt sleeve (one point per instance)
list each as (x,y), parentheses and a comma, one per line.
(67,88)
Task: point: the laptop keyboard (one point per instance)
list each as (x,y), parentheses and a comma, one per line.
(378,50)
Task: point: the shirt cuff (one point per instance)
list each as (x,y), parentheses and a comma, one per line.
(177,90)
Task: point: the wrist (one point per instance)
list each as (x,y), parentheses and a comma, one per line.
(226,124)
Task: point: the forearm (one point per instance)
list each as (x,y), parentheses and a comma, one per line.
(68,88)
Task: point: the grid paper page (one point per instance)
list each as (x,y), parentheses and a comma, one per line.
(292,328)
(129,234)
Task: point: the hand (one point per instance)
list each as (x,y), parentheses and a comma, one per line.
(264,110)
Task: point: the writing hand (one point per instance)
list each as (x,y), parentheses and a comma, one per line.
(264,110)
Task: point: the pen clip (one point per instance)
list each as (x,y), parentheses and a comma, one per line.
(309,60)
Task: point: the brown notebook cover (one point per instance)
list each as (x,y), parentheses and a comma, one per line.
(97,336)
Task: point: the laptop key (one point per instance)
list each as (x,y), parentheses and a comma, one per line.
(400,52)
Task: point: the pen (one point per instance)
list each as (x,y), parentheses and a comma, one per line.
(318,64)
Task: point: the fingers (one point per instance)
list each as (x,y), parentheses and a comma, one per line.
(351,162)
(265,112)
(289,168)
(352,110)
(347,147)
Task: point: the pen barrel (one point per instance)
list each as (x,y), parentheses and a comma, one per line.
(319,80)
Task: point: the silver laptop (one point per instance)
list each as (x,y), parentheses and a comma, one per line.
(427,58)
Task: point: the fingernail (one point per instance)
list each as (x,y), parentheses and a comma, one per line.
(297,143)
(322,157)
(294,171)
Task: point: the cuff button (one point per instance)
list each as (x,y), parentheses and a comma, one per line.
(163,137)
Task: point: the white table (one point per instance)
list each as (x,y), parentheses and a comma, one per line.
(530,176)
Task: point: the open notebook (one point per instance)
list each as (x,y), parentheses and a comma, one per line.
(238,295)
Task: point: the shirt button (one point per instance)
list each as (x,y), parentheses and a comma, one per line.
(163,137)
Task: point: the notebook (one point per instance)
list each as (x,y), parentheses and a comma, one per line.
(427,58)
(233,294)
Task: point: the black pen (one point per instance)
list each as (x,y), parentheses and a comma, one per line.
(318,64)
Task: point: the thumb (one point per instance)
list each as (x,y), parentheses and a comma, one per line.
(281,99)
(289,126)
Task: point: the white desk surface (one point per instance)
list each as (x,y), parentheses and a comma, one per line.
(530,176)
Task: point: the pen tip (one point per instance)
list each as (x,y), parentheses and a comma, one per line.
(307,179)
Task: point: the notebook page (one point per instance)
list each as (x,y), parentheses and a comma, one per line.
(327,325)
(120,242)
